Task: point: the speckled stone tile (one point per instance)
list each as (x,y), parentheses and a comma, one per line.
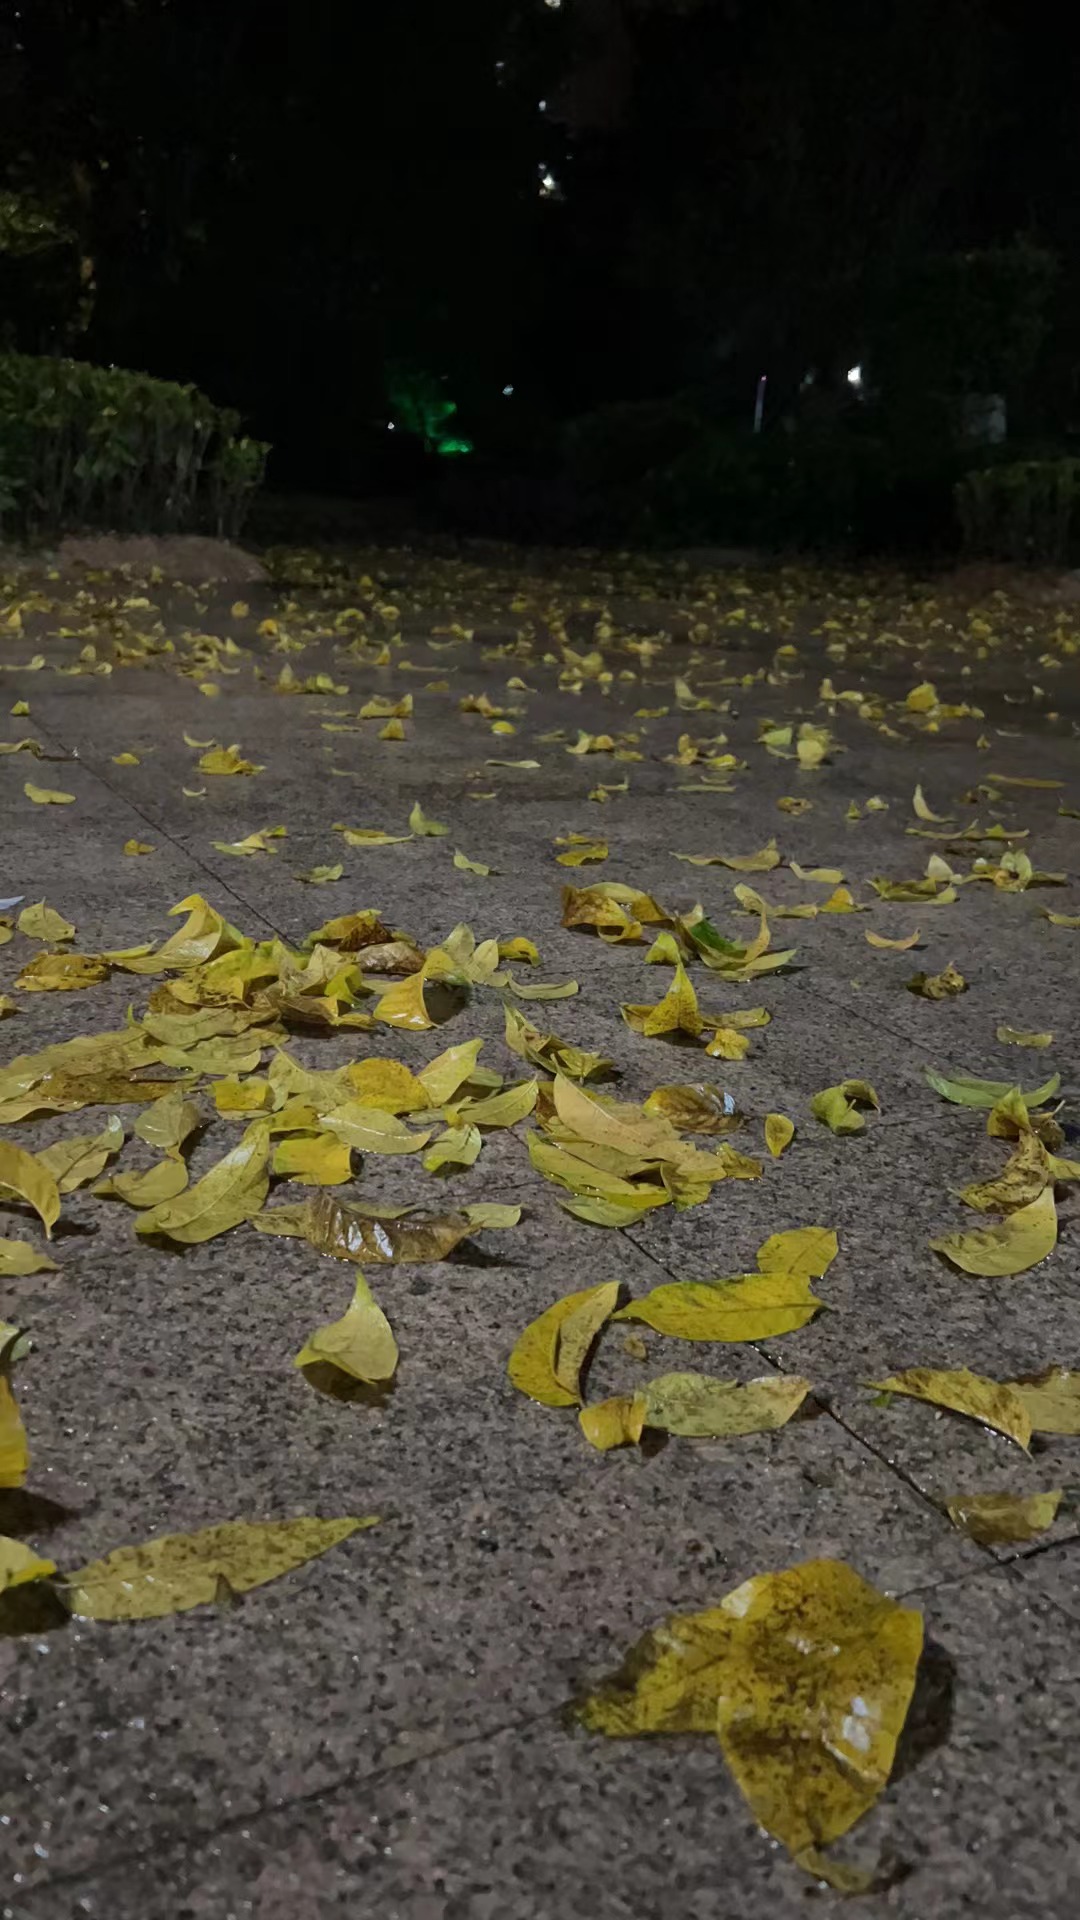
(380,1731)
(538,1819)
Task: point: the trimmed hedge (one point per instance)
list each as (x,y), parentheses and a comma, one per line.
(88,446)
(1026,510)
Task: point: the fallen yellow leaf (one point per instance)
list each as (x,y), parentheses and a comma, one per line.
(47,796)
(548,1357)
(991,1402)
(360,1344)
(1019,1243)
(779,1133)
(696,1405)
(178,1571)
(772,1673)
(1002,1519)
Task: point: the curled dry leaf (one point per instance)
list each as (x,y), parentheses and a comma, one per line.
(937,986)
(1010,1037)
(46,796)
(677,1012)
(178,1571)
(779,1133)
(1022,1179)
(772,1673)
(360,1344)
(838,1108)
(618,1422)
(1020,1241)
(893,946)
(423,827)
(465,865)
(349,1233)
(548,1357)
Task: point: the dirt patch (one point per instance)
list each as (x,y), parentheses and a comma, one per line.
(178,556)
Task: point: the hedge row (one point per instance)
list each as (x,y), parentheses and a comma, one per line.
(97,446)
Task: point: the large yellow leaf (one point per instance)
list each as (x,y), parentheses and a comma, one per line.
(1052,1400)
(805,1676)
(360,1344)
(994,1403)
(697,1405)
(178,1571)
(232,1191)
(1002,1519)
(24,1175)
(547,1359)
(619,1125)
(753,1306)
(1021,1240)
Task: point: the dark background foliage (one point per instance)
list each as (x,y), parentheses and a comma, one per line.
(332,217)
